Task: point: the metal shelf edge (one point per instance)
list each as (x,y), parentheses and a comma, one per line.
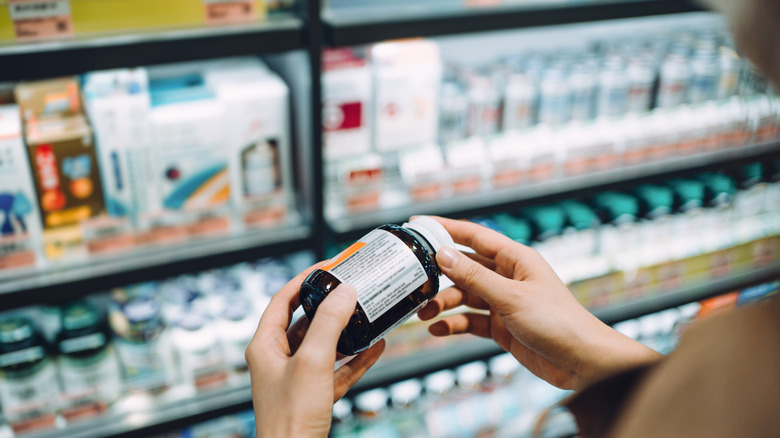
(347,30)
(483,202)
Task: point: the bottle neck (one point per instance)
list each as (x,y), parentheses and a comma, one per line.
(423,241)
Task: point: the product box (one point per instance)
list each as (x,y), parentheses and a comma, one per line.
(256,104)
(467,162)
(422,171)
(346,89)
(117,103)
(189,183)
(361,182)
(20,229)
(64,163)
(509,158)
(407,77)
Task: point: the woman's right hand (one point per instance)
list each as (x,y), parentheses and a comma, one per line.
(531,312)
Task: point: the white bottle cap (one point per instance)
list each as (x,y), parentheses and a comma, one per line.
(374,401)
(503,366)
(432,230)
(440,382)
(471,375)
(406,392)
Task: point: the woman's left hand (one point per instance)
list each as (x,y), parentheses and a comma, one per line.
(294,384)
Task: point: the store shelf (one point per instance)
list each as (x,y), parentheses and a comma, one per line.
(470,348)
(81,54)
(158,417)
(57,284)
(353,26)
(505,199)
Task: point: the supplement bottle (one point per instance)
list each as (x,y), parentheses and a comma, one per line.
(28,377)
(394,272)
(89,367)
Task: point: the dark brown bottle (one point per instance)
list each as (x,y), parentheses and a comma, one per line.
(393,269)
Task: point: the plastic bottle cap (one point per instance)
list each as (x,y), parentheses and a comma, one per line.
(141,310)
(406,392)
(15,329)
(547,220)
(718,187)
(432,230)
(654,199)
(80,315)
(688,193)
(471,374)
(616,207)
(342,409)
(374,400)
(440,382)
(749,175)
(503,366)
(579,215)
(516,228)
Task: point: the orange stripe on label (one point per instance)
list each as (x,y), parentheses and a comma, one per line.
(343,256)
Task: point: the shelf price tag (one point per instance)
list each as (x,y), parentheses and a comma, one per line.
(41,20)
(229,11)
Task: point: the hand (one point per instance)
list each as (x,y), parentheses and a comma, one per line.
(531,313)
(294,384)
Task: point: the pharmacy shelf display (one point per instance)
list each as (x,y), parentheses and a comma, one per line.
(501,200)
(362,25)
(58,284)
(159,416)
(78,55)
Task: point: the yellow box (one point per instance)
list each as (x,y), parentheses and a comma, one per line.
(6,26)
(90,16)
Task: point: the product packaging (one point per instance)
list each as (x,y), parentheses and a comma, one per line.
(468,164)
(189,160)
(360,182)
(346,117)
(406,93)
(510,159)
(422,171)
(256,103)
(64,163)
(20,227)
(118,104)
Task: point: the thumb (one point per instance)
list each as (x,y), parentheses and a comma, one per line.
(319,343)
(472,277)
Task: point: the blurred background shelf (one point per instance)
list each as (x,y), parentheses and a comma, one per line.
(352,26)
(34,60)
(468,348)
(67,282)
(352,224)
(158,418)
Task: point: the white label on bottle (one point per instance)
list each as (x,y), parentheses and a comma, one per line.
(381,268)
(27,355)
(102,379)
(88,342)
(143,364)
(31,395)
(397,323)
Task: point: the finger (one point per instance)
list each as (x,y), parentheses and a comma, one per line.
(319,344)
(284,302)
(484,241)
(482,260)
(296,333)
(472,277)
(348,374)
(474,323)
(450,298)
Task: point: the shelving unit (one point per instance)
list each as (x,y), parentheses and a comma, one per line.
(350,225)
(347,27)
(167,416)
(63,283)
(74,56)
(310,31)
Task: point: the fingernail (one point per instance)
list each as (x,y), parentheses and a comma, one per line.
(446,257)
